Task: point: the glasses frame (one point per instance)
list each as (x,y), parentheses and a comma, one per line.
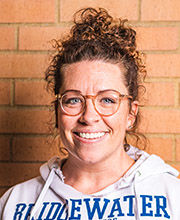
(92,97)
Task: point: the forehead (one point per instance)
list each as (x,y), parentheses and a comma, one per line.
(93,76)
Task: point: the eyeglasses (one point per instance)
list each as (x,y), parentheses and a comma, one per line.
(106,102)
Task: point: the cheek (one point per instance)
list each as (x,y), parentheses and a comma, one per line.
(119,121)
(66,124)
(64,134)
(64,121)
(119,125)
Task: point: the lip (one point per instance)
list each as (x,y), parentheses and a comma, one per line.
(90,140)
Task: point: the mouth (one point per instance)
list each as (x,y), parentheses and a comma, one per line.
(90,135)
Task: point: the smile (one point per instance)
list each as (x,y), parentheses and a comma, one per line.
(91,135)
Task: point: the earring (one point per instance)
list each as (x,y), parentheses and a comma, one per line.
(126,145)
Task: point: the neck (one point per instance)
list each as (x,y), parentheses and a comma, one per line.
(91,178)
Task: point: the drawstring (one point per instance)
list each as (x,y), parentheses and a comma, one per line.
(43,192)
(136,211)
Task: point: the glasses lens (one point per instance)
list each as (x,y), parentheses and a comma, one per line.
(107,102)
(72,103)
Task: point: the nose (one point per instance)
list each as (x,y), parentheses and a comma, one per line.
(89,115)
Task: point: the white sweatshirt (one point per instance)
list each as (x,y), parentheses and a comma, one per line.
(150,190)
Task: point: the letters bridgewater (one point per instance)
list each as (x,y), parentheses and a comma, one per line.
(97,208)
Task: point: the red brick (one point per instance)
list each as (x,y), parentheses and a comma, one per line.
(157,38)
(39,38)
(178,149)
(3,190)
(162,147)
(4,92)
(160,10)
(32,93)
(159,93)
(4,148)
(117,8)
(163,65)
(179,94)
(34,148)
(23,65)
(176,166)
(25,121)
(13,173)
(27,11)
(160,121)
(7,41)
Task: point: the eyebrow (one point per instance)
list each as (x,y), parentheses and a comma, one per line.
(78,91)
(71,90)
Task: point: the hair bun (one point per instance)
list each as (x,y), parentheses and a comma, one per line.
(91,24)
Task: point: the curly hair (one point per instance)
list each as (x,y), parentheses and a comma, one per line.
(97,36)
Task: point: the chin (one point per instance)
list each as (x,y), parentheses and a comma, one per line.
(91,158)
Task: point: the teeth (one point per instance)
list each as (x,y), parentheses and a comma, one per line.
(91,135)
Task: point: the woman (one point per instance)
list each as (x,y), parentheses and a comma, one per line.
(95,77)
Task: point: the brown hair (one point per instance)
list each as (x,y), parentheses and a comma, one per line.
(97,36)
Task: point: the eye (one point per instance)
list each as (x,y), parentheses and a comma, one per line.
(72,101)
(107,100)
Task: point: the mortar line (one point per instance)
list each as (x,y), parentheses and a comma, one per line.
(156,135)
(174,148)
(58,10)
(162,79)
(11,148)
(26,107)
(17,39)
(139,10)
(25,162)
(12,91)
(179,38)
(59,6)
(176,93)
(47,52)
(70,23)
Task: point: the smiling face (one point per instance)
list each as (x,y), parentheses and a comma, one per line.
(90,137)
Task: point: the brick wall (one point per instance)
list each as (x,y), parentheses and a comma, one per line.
(26,28)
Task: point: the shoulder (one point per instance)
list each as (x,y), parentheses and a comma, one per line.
(169,181)
(172,183)
(161,184)
(157,177)
(27,190)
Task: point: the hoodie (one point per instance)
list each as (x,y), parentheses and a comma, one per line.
(150,190)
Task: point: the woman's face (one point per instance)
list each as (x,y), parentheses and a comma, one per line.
(90,77)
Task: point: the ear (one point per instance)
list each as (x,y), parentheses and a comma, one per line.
(132,114)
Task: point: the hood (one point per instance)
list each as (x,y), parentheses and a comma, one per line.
(146,166)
